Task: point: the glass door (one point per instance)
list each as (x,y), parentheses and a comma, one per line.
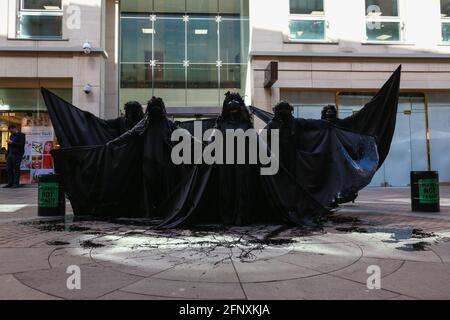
(409,145)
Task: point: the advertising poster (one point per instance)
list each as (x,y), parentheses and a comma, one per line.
(37,159)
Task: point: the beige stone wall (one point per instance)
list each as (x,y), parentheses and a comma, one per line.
(112,63)
(304,67)
(59,59)
(346,28)
(337,74)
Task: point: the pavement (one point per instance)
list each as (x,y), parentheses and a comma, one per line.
(375,249)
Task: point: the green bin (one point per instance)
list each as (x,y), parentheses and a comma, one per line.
(425,191)
(51,197)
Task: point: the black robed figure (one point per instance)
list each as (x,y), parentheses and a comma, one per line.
(327,161)
(159,175)
(335,158)
(128,176)
(226,194)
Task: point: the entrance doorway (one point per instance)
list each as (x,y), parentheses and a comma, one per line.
(409,146)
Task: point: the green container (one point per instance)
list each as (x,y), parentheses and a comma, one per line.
(425,191)
(51,198)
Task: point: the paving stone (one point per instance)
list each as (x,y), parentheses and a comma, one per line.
(136,262)
(122,295)
(323,287)
(95,281)
(187,290)
(358,270)
(202,272)
(12,289)
(324,257)
(421,280)
(442,250)
(144,263)
(66,257)
(15,260)
(270,270)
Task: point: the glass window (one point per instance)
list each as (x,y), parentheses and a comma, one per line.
(136,6)
(308,20)
(172,76)
(234,41)
(169,45)
(136,75)
(40,19)
(383,31)
(38,26)
(137,45)
(383,23)
(41,4)
(377,8)
(172,6)
(445,8)
(202,41)
(310,7)
(234,7)
(202,76)
(232,76)
(188,52)
(202,6)
(307,29)
(446,31)
(445,22)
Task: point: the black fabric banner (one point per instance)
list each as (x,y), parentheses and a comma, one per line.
(377,118)
(75,127)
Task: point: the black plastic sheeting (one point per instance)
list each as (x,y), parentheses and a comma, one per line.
(107,174)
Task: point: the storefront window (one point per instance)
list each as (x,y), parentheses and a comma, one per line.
(26,109)
(197,48)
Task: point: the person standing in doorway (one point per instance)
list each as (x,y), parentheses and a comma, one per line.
(16,149)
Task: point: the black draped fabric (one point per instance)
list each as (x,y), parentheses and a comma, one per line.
(238,194)
(102,181)
(127,177)
(75,127)
(334,161)
(228,194)
(327,161)
(377,118)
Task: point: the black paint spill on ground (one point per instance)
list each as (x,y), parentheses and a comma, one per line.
(419,246)
(57,243)
(352,229)
(338,219)
(420,234)
(88,244)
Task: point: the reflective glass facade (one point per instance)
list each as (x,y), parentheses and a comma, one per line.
(189,52)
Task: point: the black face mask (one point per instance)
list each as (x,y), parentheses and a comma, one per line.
(234,106)
(284,114)
(156,112)
(331,116)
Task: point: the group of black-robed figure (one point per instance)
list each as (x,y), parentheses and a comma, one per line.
(110,170)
